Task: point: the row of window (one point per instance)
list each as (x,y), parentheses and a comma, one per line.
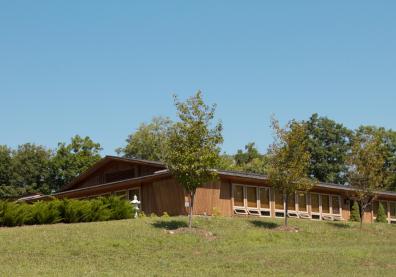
(260,198)
(389,207)
(126,194)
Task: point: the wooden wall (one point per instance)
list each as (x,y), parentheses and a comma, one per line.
(214,199)
(125,170)
(163,196)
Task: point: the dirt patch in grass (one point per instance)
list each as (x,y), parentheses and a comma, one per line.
(196,231)
(289,229)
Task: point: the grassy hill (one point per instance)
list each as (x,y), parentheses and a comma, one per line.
(229,246)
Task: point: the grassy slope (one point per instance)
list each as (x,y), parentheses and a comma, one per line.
(243,246)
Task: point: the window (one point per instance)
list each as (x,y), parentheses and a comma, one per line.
(392,209)
(251,195)
(238,196)
(278,200)
(264,198)
(325,204)
(315,203)
(133,192)
(335,204)
(302,201)
(375,208)
(291,201)
(121,194)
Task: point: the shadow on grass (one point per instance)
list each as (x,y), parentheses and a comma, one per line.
(340,225)
(264,224)
(169,225)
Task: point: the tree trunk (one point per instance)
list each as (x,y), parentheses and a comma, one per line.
(286,208)
(190,215)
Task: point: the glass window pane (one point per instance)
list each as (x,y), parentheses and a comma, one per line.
(291,201)
(325,204)
(264,198)
(122,194)
(315,202)
(335,202)
(279,200)
(375,208)
(392,209)
(238,196)
(251,193)
(302,202)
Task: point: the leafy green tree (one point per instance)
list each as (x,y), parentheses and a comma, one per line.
(72,159)
(30,168)
(328,144)
(367,169)
(149,140)
(355,212)
(193,146)
(381,217)
(5,165)
(289,160)
(388,140)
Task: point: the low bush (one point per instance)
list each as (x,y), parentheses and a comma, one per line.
(381,216)
(66,211)
(355,212)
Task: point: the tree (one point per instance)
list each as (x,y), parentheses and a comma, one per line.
(5,165)
(30,168)
(193,146)
(328,144)
(367,169)
(388,140)
(381,217)
(355,212)
(289,160)
(149,141)
(72,159)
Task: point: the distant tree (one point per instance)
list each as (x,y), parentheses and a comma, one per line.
(250,153)
(30,168)
(193,146)
(355,212)
(381,217)
(72,159)
(388,140)
(289,160)
(149,140)
(5,165)
(367,169)
(329,143)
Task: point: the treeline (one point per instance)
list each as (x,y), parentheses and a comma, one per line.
(329,145)
(35,168)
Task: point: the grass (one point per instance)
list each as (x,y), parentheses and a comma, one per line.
(243,247)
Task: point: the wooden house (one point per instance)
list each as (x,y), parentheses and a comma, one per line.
(235,193)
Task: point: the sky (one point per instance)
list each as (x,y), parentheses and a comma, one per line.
(100,68)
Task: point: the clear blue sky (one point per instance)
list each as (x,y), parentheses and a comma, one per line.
(99,68)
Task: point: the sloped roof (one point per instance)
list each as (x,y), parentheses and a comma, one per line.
(105,161)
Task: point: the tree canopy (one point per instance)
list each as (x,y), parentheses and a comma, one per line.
(72,159)
(328,145)
(193,145)
(289,160)
(149,140)
(367,168)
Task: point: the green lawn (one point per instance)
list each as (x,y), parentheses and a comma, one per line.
(242,246)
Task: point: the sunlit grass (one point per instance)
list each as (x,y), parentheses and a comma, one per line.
(242,246)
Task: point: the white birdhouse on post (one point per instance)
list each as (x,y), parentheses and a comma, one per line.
(135,202)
